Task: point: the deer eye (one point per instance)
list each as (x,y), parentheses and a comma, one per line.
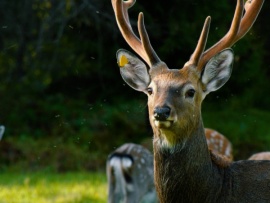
(190,93)
(150,90)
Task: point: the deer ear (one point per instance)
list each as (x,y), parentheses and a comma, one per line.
(217,71)
(133,70)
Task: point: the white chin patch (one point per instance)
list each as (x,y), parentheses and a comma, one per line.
(163,124)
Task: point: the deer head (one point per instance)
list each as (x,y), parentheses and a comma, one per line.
(175,95)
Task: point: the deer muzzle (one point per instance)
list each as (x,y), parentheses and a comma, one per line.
(161,116)
(162,113)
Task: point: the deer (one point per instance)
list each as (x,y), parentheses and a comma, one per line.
(218,143)
(2,130)
(185,170)
(130,175)
(127,164)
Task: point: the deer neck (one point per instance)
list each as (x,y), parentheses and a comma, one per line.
(184,168)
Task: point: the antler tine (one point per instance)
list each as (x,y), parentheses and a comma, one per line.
(120,9)
(196,56)
(252,8)
(142,48)
(127,4)
(239,27)
(146,42)
(227,40)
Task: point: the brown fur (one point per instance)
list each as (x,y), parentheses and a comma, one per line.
(192,174)
(220,160)
(185,171)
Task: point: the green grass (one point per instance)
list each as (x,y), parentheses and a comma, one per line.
(43,187)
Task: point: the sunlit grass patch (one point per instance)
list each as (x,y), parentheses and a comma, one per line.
(53,188)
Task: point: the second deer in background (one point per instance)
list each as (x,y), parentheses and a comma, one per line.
(218,143)
(130,175)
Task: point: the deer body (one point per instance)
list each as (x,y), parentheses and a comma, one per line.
(184,169)
(187,174)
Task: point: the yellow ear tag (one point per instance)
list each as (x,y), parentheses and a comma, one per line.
(123,61)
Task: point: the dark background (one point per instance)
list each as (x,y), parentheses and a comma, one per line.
(64,103)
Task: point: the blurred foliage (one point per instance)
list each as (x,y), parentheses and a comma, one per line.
(61,95)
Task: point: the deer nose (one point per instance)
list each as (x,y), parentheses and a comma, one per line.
(162,113)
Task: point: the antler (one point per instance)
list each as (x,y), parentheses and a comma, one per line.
(141,46)
(239,27)
(196,56)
